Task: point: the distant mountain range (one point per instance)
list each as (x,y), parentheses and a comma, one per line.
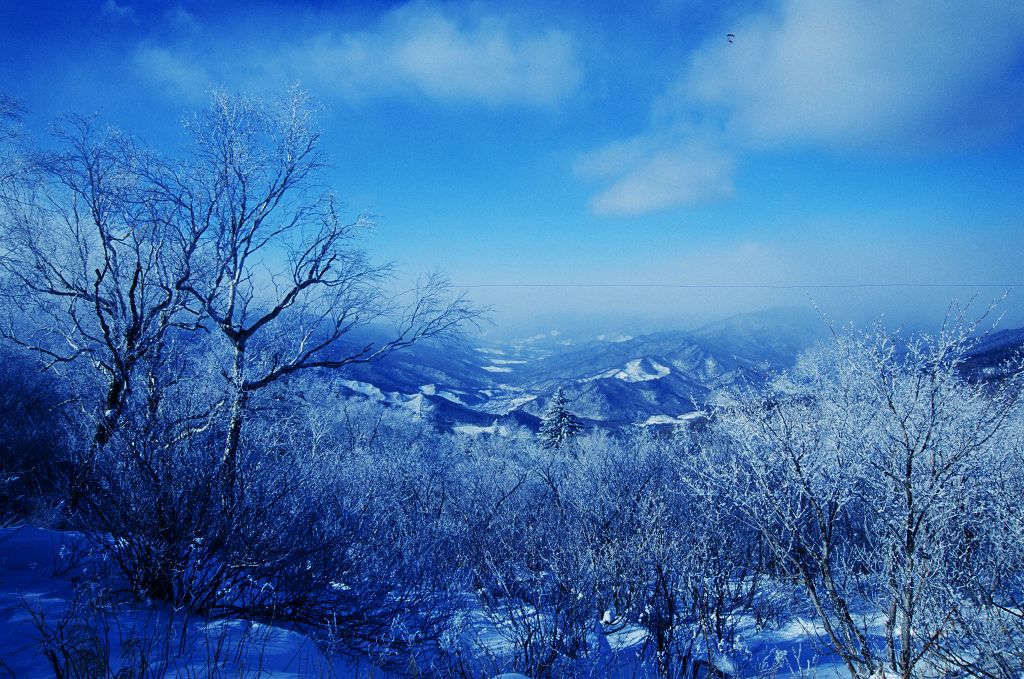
(611,380)
(991,357)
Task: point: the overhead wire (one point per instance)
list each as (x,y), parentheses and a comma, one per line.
(752,286)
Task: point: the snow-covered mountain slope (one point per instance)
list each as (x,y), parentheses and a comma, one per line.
(996,355)
(611,380)
(771,338)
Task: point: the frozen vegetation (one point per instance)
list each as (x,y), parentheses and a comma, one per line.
(192,485)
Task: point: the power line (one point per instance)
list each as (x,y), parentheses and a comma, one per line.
(744,286)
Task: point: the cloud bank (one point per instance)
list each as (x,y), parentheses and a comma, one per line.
(654,174)
(446,53)
(434,52)
(847,75)
(851,78)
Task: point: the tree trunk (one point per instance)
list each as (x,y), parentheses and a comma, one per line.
(229,460)
(112,407)
(83,481)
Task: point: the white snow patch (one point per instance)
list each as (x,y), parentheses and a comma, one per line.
(477,430)
(630,636)
(431,390)
(668,419)
(504,404)
(518,401)
(634,371)
(449,396)
(364,388)
(496,369)
(507,361)
(415,403)
(490,350)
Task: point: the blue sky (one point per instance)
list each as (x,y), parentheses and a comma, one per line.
(830,143)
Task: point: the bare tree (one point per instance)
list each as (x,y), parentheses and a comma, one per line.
(90,273)
(853,469)
(11,156)
(936,439)
(278,273)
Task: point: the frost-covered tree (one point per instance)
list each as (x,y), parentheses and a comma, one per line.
(559,425)
(157,276)
(278,273)
(862,471)
(89,258)
(11,156)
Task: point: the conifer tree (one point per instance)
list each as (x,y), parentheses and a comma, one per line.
(559,425)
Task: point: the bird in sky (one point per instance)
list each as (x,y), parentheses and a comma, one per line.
(730,36)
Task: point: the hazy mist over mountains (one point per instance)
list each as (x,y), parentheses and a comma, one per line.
(612,378)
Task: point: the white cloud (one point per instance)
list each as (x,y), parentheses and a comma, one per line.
(180,76)
(915,74)
(445,52)
(441,54)
(870,76)
(673,177)
(658,170)
(112,9)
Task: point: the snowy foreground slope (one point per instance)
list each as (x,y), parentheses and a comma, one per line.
(52,612)
(45,615)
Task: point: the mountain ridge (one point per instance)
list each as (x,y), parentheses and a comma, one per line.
(611,380)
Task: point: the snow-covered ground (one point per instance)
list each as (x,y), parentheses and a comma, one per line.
(637,370)
(477,430)
(48,608)
(51,606)
(683,419)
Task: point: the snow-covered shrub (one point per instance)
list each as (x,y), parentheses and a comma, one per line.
(31,438)
(359,550)
(562,550)
(532,572)
(336,537)
(871,472)
(986,626)
(669,555)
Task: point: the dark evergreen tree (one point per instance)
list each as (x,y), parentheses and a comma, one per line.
(558,425)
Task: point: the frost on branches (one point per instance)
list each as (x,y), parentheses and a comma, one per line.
(559,425)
